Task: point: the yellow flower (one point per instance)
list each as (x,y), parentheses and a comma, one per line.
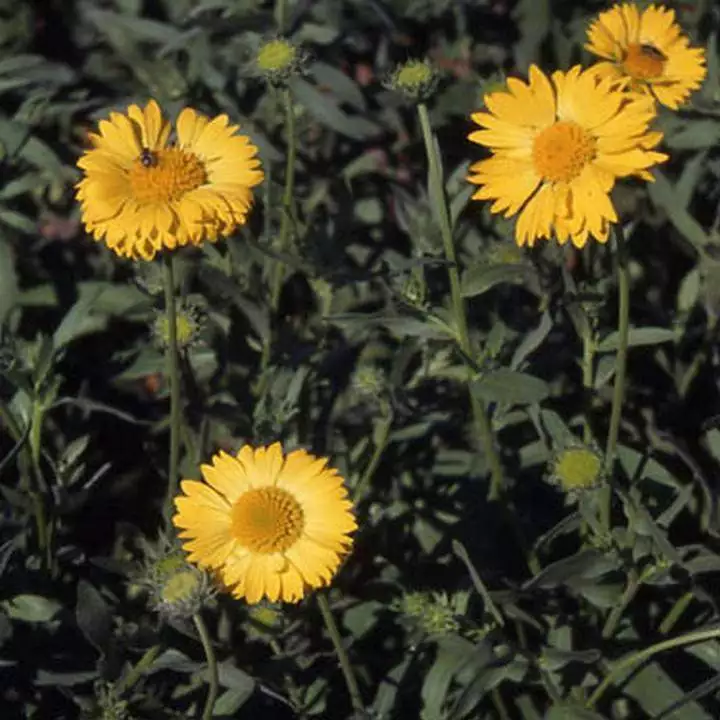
(141,193)
(557,149)
(276,55)
(648,50)
(270,524)
(577,468)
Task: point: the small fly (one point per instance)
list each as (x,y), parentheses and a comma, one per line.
(148,158)
(652,52)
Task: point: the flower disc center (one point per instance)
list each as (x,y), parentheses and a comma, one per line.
(561,151)
(643,62)
(164,175)
(267,520)
(577,468)
(276,55)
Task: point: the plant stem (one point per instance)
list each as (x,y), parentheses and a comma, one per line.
(381,441)
(437,195)
(42,522)
(173,369)
(499,704)
(462,553)
(213,682)
(345,666)
(641,656)
(588,342)
(680,606)
(280,15)
(620,370)
(143,664)
(277,269)
(633,585)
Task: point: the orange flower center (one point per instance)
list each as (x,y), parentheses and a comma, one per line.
(561,151)
(643,62)
(159,176)
(267,520)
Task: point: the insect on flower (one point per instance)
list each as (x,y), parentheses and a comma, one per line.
(148,158)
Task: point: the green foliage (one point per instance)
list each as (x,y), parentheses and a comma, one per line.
(450,606)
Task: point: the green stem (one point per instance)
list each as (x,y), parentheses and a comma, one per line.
(143,664)
(280,15)
(381,441)
(633,585)
(499,704)
(173,366)
(345,666)
(26,443)
(37,494)
(620,369)
(437,194)
(676,612)
(461,552)
(588,361)
(277,270)
(639,657)
(295,699)
(213,682)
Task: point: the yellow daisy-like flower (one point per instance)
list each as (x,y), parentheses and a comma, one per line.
(271,525)
(142,193)
(648,50)
(557,149)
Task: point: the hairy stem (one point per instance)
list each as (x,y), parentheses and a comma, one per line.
(277,270)
(437,194)
(620,370)
(630,661)
(345,666)
(213,682)
(173,371)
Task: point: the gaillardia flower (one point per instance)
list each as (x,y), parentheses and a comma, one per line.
(271,525)
(648,50)
(142,193)
(557,149)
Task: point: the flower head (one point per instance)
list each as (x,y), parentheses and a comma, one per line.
(142,193)
(557,149)
(271,525)
(176,588)
(577,468)
(416,79)
(279,59)
(648,50)
(189,324)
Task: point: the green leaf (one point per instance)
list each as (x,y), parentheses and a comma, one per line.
(231,701)
(46,678)
(481,278)
(510,388)
(663,194)
(403,326)
(324,108)
(94,617)
(689,291)
(31,608)
(343,87)
(9,293)
(571,712)
(637,337)
(655,690)
(582,564)
(532,341)
(79,320)
(453,654)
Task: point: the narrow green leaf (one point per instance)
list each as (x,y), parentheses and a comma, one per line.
(638,337)
(481,278)
(510,388)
